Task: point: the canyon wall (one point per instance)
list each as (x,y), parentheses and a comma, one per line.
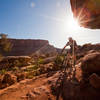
(25,47)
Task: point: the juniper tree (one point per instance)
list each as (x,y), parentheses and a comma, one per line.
(5,44)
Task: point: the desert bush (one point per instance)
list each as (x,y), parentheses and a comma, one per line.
(3,71)
(21,62)
(58,61)
(31,68)
(30,75)
(5,44)
(15,68)
(38,62)
(17,63)
(36,67)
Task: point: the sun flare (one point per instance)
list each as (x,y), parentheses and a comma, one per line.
(71,25)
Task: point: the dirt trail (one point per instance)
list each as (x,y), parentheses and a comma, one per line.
(29,89)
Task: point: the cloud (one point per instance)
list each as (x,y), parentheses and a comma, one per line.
(52,18)
(32,4)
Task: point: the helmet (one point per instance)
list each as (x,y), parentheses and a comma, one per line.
(70,38)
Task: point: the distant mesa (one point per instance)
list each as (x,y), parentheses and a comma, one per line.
(26,47)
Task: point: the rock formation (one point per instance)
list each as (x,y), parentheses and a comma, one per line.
(7,80)
(12,61)
(87,49)
(26,47)
(86,85)
(87,12)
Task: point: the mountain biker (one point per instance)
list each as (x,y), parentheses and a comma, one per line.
(73,48)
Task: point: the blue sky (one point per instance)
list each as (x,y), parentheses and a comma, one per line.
(42,19)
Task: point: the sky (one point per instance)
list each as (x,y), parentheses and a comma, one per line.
(50,20)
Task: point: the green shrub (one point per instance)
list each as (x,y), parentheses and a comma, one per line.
(15,68)
(40,61)
(3,71)
(30,75)
(36,67)
(17,63)
(31,68)
(58,61)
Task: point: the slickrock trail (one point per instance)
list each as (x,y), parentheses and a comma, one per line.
(86,86)
(29,89)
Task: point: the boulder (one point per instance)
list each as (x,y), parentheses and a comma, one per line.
(94,80)
(49,60)
(46,68)
(7,80)
(91,63)
(11,61)
(87,12)
(90,76)
(20,76)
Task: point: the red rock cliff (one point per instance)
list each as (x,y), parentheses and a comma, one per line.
(24,47)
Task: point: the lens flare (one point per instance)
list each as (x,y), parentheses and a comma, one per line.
(71,25)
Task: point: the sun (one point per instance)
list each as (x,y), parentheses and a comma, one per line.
(71,25)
